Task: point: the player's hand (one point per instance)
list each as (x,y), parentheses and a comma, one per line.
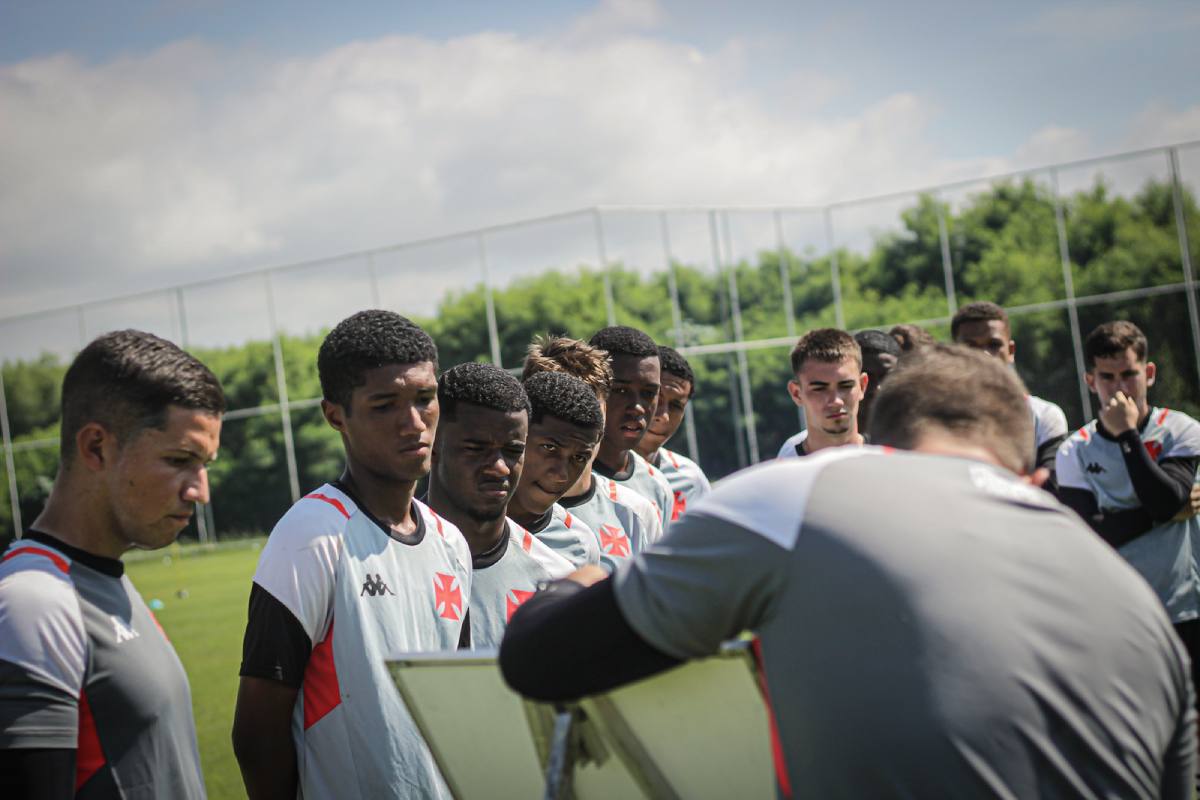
(1191,508)
(1120,414)
(588,574)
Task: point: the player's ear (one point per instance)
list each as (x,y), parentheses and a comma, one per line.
(95,446)
(1012,350)
(864,380)
(794,391)
(1151,372)
(334,414)
(1090,378)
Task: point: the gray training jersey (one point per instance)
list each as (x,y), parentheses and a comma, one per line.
(1168,556)
(85,666)
(625,522)
(1049,421)
(650,484)
(570,537)
(687,481)
(500,584)
(961,635)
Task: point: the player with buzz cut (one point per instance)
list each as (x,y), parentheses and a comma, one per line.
(688,482)
(477,459)
(828,383)
(94,702)
(985,327)
(637,378)
(880,354)
(623,521)
(565,424)
(353,573)
(1130,473)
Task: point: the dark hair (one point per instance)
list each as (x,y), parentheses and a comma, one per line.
(366,341)
(557,394)
(829,345)
(1114,338)
(674,363)
(977,312)
(919,395)
(911,337)
(624,340)
(126,380)
(572,356)
(483,385)
(873,341)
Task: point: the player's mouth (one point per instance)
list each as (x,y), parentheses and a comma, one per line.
(417,448)
(633,430)
(495,489)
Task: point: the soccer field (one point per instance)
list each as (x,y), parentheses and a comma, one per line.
(204,592)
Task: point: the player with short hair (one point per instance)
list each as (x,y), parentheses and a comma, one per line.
(94,702)
(880,352)
(623,520)
(828,384)
(477,460)
(688,482)
(985,327)
(983,645)
(911,337)
(637,377)
(565,425)
(354,572)
(1130,472)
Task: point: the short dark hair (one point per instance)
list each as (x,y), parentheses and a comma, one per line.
(911,337)
(624,340)
(675,364)
(572,356)
(557,394)
(1114,338)
(479,384)
(983,311)
(366,341)
(828,345)
(918,396)
(873,341)
(125,380)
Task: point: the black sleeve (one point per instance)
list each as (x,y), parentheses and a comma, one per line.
(567,642)
(1047,451)
(38,773)
(1115,527)
(275,646)
(464,636)
(1162,488)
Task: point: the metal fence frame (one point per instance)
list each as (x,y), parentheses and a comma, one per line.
(736,348)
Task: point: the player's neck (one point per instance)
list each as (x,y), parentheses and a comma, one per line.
(650,456)
(583,485)
(615,460)
(523,516)
(390,502)
(820,440)
(76,514)
(481,535)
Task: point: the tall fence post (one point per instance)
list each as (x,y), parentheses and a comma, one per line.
(735,411)
(689,422)
(10,466)
(285,410)
(489,302)
(834,270)
(789,307)
(947,262)
(735,304)
(1064,252)
(1185,253)
(610,305)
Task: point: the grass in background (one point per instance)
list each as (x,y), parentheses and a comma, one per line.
(205,625)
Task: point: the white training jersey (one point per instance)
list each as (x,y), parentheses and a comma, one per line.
(688,482)
(506,579)
(788,448)
(569,536)
(1049,421)
(625,522)
(363,595)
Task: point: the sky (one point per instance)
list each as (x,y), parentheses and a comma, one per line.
(147,144)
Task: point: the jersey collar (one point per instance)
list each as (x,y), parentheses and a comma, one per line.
(112,567)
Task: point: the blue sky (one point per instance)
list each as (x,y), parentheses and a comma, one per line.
(146,143)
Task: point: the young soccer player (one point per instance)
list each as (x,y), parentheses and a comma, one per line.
(911,337)
(623,521)
(93,700)
(637,377)
(985,327)
(1130,472)
(356,571)
(829,384)
(565,424)
(477,460)
(688,482)
(880,352)
(961,635)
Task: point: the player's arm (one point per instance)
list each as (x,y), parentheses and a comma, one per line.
(1071,487)
(1046,453)
(1162,487)
(38,773)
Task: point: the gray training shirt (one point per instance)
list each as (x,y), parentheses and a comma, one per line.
(960,635)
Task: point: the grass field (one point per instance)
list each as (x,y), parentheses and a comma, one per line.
(206,626)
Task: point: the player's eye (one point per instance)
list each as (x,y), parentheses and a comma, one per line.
(549,448)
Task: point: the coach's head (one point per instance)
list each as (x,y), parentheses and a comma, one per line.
(954,400)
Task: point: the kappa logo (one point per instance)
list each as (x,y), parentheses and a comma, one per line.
(375,588)
(614,542)
(447,597)
(1095,469)
(513,601)
(121,631)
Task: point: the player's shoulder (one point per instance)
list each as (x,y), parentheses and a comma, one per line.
(445,531)
(682,463)
(624,496)
(538,551)
(1080,437)
(1174,422)
(652,471)
(325,511)
(568,520)
(37,575)
(1048,413)
(788,448)
(41,623)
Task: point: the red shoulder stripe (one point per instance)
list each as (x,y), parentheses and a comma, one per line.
(322,693)
(568,519)
(333,501)
(438,520)
(526,541)
(1163,416)
(57,560)
(671,456)
(612,490)
(1083,432)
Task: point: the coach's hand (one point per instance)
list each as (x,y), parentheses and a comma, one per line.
(1120,414)
(1191,508)
(587,575)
